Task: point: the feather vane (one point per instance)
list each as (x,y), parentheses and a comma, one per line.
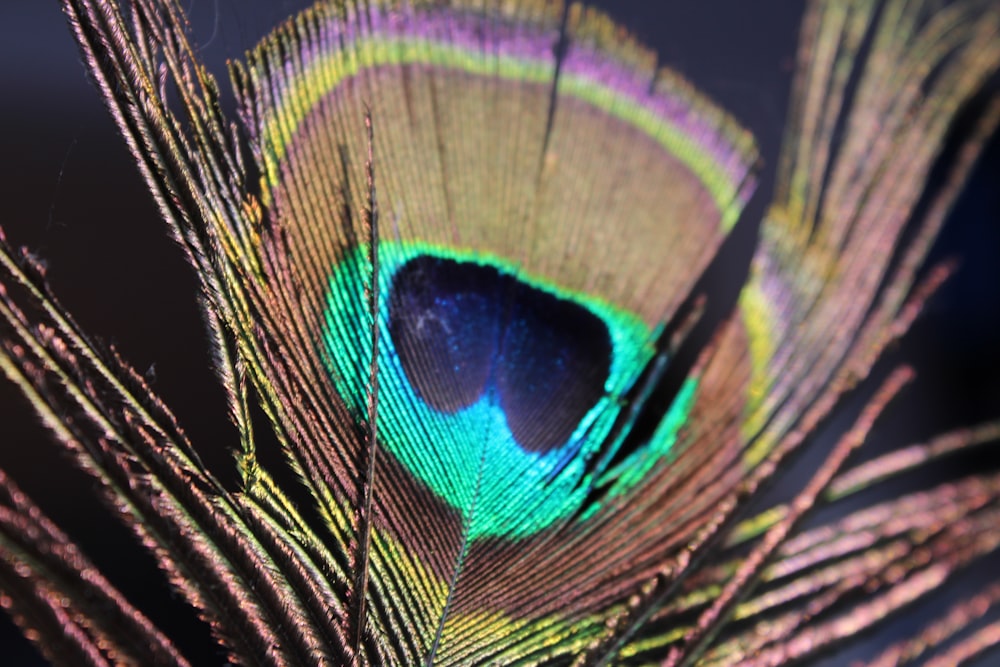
(450,247)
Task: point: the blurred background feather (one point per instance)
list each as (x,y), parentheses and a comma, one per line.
(71,194)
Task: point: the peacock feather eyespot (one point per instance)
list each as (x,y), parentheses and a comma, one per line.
(487,375)
(451,253)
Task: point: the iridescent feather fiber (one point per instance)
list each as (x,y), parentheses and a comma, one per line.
(449,250)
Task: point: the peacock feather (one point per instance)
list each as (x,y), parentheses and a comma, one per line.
(453,255)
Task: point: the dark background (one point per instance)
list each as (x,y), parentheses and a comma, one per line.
(70,193)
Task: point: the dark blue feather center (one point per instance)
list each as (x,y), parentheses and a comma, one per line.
(463,330)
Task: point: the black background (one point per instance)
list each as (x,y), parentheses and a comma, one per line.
(70,193)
